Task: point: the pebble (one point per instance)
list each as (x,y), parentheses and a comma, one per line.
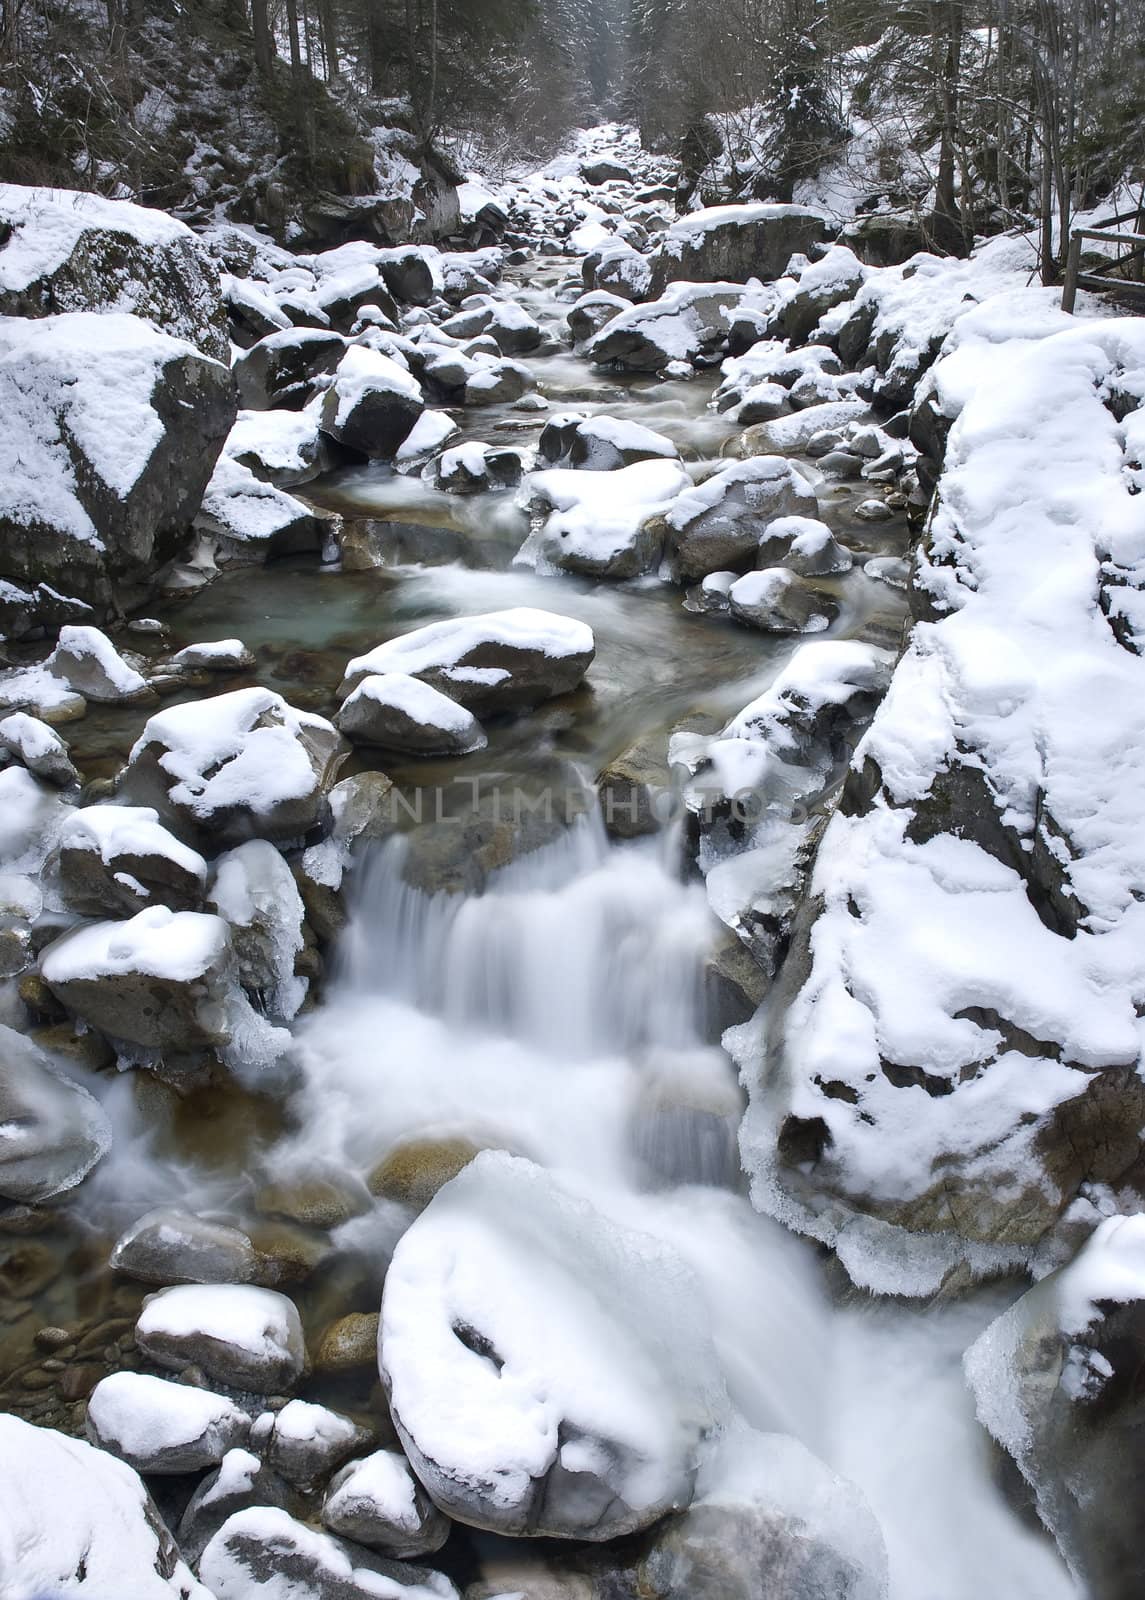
(53,1338)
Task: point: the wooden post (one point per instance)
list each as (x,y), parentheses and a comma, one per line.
(1073,263)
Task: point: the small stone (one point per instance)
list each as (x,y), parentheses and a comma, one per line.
(413,1171)
(349,1343)
(52,1338)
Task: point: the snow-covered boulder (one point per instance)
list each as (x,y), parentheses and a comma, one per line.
(790,435)
(287,369)
(112,433)
(282,447)
(498,383)
(161,1427)
(836,277)
(88,663)
(379,1503)
(686,321)
(473,467)
(213,655)
(430,433)
(240,1481)
(501,661)
(63,250)
(235,766)
(263,1553)
(38,747)
(601,443)
(305,1443)
(604,524)
(249,521)
(720,524)
(373,403)
(115,860)
(408,271)
(77,1522)
(734,243)
(955,1058)
(523,1353)
(592,311)
(1055,1380)
(243,1337)
(616,268)
(254,889)
(777,600)
(806,545)
(515,331)
(52,1132)
(399,712)
(760,789)
(167,1246)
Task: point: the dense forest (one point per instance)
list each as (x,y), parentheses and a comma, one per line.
(974,114)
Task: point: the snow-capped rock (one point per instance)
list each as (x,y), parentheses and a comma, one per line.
(78,1522)
(243,1337)
(115,860)
(601,443)
(805,545)
(373,403)
(38,747)
(161,1427)
(777,600)
(399,712)
(1055,1381)
(265,1554)
(496,662)
(687,320)
(378,1502)
(253,888)
(234,766)
(112,433)
(521,1349)
(735,243)
(289,368)
(305,1443)
(52,1131)
(720,524)
(605,524)
(64,251)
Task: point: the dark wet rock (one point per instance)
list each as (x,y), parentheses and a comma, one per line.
(168,1246)
(735,243)
(379,1503)
(285,369)
(305,1443)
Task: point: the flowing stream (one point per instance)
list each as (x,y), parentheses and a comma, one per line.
(561,1012)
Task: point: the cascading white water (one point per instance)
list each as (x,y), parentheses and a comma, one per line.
(558,1014)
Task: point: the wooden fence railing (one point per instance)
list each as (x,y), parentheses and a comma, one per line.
(1102,277)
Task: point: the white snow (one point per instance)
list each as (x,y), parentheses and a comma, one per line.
(178,946)
(697,223)
(32,740)
(381,1484)
(431,430)
(48,224)
(31,816)
(756,471)
(97,659)
(70,1509)
(216,655)
(254,889)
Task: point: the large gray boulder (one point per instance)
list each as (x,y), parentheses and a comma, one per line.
(687,320)
(721,524)
(52,1132)
(263,1553)
(236,766)
(78,1522)
(1056,1379)
(502,661)
(64,250)
(735,243)
(112,433)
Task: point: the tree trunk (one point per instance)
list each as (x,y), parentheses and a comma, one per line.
(263,42)
(328,24)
